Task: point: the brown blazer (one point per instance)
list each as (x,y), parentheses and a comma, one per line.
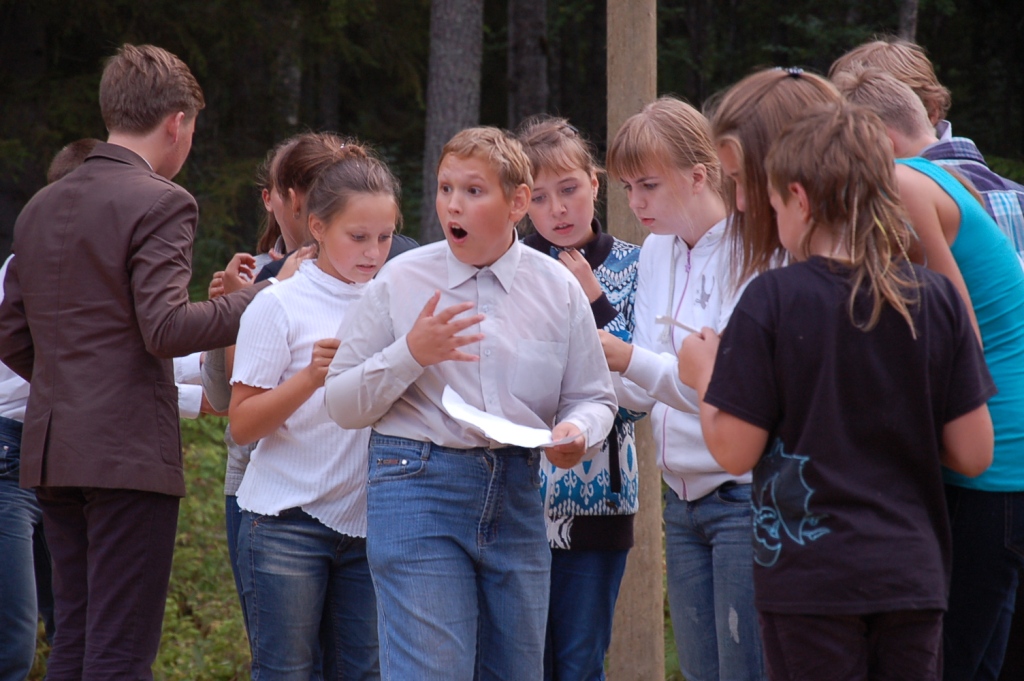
(95,305)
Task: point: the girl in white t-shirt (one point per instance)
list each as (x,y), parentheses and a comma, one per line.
(302,545)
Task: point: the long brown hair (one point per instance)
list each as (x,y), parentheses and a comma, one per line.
(748,118)
(265,176)
(842,157)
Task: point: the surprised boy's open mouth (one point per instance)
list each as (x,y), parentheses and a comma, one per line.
(458,232)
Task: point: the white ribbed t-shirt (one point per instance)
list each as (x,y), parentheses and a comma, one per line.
(310,461)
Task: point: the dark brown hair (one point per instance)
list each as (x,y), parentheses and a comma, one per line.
(69,158)
(143,84)
(265,175)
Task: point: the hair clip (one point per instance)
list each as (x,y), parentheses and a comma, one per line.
(791,71)
(571,128)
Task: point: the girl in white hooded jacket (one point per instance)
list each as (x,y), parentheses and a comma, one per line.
(665,158)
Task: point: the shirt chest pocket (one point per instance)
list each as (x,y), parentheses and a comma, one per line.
(537,378)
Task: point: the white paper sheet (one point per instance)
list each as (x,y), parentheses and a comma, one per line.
(495,427)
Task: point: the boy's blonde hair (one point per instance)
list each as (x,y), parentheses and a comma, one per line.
(554,144)
(667,132)
(891,100)
(908,63)
(500,149)
(143,84)
(842,157)
(747,119)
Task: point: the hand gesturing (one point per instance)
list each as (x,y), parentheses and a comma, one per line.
(435,338)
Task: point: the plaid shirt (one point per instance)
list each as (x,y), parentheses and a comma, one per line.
(1004,199)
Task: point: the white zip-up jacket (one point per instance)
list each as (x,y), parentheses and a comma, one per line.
(695,286)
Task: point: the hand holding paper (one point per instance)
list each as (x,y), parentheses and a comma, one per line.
(569,454)
(501,429)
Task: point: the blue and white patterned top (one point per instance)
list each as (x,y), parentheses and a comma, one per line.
(591,506)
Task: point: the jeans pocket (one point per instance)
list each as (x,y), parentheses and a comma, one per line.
(734,493)
(10,461)
(396,462)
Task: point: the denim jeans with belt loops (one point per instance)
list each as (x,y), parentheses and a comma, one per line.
(308,593)
(25,591)
(460,561)
(710,565)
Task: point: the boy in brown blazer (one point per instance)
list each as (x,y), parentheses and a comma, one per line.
(95,306)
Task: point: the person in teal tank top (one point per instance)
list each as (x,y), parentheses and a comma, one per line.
(995,281)
(960,240)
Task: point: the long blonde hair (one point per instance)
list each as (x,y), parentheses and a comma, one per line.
(748,118)
(842,157)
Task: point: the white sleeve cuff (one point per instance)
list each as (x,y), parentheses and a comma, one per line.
(187,369)
(190,400)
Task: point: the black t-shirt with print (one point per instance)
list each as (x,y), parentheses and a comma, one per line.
(849,512)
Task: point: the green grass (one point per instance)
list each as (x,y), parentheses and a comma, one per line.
(203,636)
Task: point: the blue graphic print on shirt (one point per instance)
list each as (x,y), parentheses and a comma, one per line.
(781,502)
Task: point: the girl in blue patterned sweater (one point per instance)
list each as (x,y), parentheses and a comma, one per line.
(589,509)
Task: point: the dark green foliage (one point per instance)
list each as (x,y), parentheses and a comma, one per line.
(362,71)
(203,636)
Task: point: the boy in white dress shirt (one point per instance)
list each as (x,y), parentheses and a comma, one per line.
(455,528)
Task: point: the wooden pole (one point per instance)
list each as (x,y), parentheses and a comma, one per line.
(638,636)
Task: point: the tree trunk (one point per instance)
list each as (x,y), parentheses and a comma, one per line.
(527,59)
(453,90)
(637,651)
(908,20)
(287,68)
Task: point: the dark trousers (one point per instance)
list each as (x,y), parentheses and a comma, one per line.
(988,553)
(111,553)
(904,645)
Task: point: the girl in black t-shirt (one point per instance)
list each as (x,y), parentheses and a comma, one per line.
(844,380)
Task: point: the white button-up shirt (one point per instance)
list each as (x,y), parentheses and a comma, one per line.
(540,360)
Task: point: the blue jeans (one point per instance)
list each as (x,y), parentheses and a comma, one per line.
(988,554)
(306,586)
(232,526)
(710,563)
(460,560)
(24,563)
(584,587)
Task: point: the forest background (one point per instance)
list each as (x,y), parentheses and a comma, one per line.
(270,69)
(403,75)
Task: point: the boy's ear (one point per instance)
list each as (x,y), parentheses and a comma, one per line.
(172,124)
(520,203)
(799,194)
